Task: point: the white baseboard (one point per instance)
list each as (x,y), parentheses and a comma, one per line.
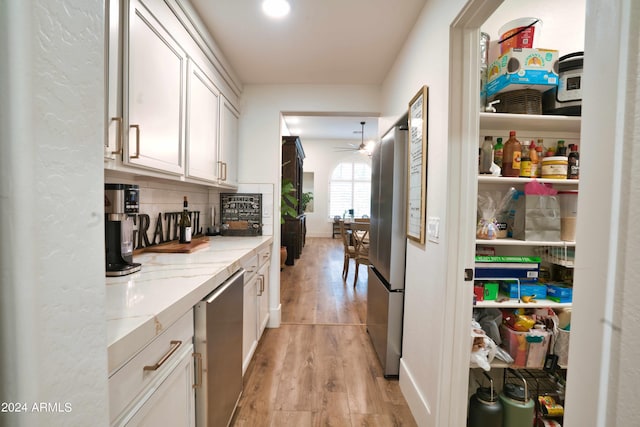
(418,404)
(275,317)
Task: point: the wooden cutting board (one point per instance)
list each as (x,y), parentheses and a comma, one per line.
(179,248)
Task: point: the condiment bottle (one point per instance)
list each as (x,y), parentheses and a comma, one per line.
(486,155)
(573,170)
(525,160)
(550,152)
(539,150)
(511,156)
(497,153)
(535,160)
(561,150)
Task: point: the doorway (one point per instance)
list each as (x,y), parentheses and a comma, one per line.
(464,127)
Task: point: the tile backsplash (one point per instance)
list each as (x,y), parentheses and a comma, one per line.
(161,196)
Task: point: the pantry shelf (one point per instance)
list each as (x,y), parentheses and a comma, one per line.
(500,364)
(490,179)
(515,242)
(530,122)
(515,303)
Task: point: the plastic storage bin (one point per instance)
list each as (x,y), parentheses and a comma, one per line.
(528,349)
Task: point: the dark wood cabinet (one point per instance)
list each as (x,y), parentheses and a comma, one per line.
(294,229)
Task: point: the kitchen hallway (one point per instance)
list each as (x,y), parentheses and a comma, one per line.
(319,368)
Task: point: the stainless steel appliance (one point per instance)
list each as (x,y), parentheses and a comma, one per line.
(566,99)
(218,353)
(121,201)
(385,296)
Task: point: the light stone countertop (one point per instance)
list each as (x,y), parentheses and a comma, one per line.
(142,305)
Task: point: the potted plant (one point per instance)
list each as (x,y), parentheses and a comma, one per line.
(288,204)
(306,199)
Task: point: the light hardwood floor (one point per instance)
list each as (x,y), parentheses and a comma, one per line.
(319,368)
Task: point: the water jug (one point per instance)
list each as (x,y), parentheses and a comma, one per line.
(485,409)
(518,407)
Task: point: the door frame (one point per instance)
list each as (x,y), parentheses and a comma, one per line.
(464,128)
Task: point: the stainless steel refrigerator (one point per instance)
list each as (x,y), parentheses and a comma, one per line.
(385,296)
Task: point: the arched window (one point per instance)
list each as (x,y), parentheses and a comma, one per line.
(350,188)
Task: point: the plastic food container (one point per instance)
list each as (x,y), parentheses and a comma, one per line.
(568,214)
(518,33)
(555,167)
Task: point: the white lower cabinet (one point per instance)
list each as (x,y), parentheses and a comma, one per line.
(156,386)
(263,298)
(249,320)
(256,302)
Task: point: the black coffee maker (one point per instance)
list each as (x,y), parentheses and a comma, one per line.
(120,203)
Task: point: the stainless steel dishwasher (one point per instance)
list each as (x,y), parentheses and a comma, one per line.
(218,353)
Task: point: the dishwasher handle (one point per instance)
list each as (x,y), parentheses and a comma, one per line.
(230,281)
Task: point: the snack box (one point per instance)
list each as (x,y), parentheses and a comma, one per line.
(523,268)
(526,290)
(523,68)
(559,292)
(490,291)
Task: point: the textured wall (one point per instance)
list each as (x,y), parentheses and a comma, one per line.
(53,329)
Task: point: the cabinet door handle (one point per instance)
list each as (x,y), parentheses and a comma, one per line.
(259,293)
(137,128)
(118,121)
(198,361)
(174,347)
(224,169)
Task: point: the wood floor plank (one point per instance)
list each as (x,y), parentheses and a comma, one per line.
(319,367)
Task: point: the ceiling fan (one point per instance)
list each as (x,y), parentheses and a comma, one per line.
(360,148)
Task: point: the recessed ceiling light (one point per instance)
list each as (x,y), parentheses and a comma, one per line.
(276,8)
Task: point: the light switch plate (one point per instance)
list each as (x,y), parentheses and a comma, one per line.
(433,229)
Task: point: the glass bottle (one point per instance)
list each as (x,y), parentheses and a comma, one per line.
(525,160)
(561,150)
(573,170)
(497,153)
(539,149)
(486,155)
(185,224)
(511,156)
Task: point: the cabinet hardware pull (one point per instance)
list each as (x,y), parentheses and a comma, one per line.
(219,170)
(137,128)
(224,168)
(118,121)
(261,291)
(174,347)
(198,362)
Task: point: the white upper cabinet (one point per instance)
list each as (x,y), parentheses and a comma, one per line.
(166,113)
(229,118)
(156,94)
(203,103)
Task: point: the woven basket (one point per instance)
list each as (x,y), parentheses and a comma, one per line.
(522,101)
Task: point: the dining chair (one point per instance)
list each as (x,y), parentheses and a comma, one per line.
(349,250)
(360,234)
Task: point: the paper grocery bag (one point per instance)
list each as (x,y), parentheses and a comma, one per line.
(537,218)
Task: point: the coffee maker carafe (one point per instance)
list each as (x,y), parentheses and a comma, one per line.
(120,202)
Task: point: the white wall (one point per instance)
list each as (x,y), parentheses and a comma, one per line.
(424,61)
(260,137)
(321,159)
(52,290)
